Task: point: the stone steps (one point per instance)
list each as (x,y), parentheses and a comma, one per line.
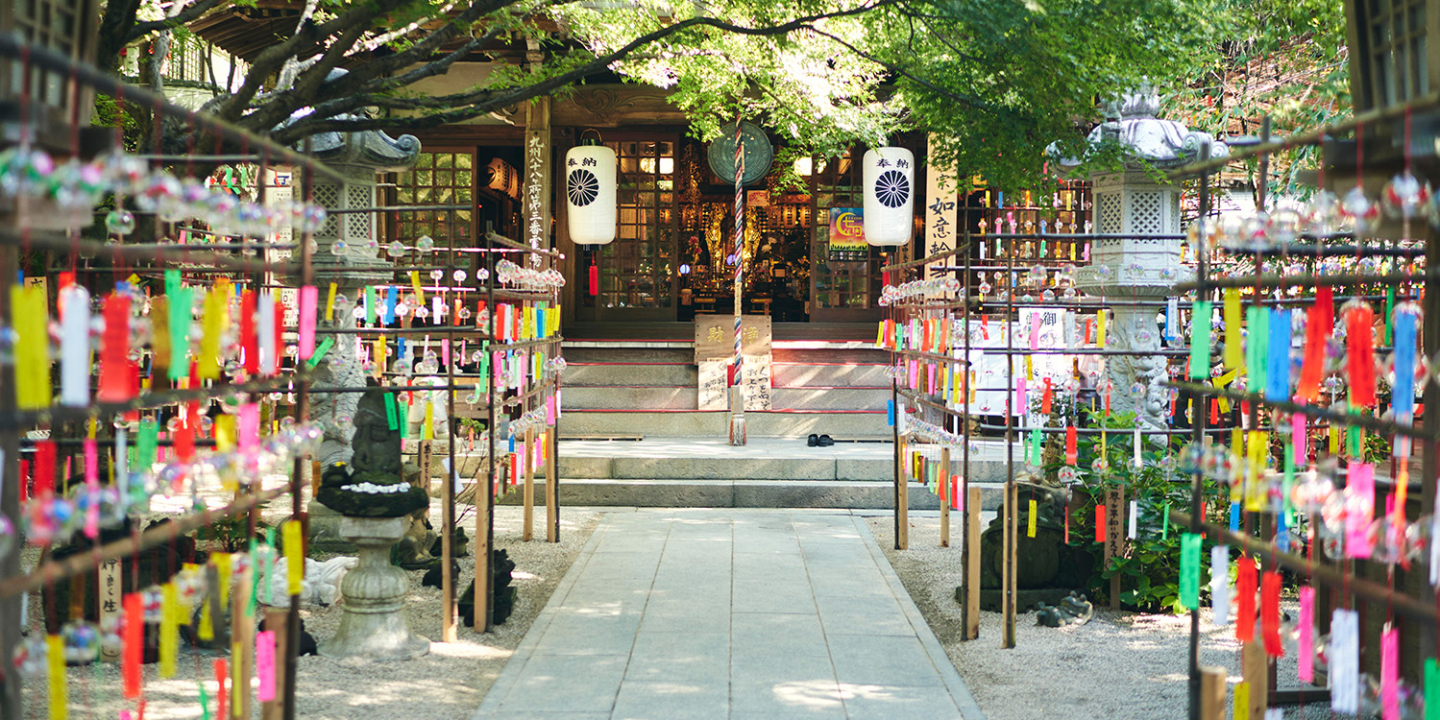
(646,397)
(728,494)
(685,375)
(857,424)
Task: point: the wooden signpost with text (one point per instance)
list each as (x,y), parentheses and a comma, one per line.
(714,346)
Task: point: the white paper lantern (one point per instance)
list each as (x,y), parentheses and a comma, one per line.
(889,196)
(590,194)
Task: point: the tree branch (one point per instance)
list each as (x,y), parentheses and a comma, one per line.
(193,12)
(481,102)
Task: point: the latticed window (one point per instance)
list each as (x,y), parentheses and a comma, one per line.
(65,26)
(636,270)
(440,179)
(843,277)
(1388,46)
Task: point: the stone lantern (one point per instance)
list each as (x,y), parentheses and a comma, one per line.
(1136,206)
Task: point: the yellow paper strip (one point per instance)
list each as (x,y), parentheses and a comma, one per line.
(59,697)
(1234,352)
(1030,528)
(169,629)
(1099,328)
(294,557)
(208,367)
(29,318)
(330,302)
(415,285)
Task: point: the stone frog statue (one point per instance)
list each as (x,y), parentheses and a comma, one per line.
(372,485)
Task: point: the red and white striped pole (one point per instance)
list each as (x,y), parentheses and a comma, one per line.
(737,396)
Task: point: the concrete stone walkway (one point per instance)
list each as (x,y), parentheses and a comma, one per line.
(730,615)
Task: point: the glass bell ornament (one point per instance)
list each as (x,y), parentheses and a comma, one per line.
(1359,211)
(119,222)
(425,243)
(402,309)
(339,247)
(421,312)
(1284,225)
(460,275)
(396,249)
(1405,197)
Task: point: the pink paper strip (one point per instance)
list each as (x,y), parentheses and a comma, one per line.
(1035,331)
(914,374)
(1390,674)
(1020,388)
(265,665)
(445,350)
(1297,437)
(1306,654)
(550,410)
(92,484)
(930,379)
(1359,509)
(249,426)
(308,298)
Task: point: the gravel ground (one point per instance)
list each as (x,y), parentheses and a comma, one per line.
(1119,665)
(449,683)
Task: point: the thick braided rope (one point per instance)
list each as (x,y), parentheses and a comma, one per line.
(739,241)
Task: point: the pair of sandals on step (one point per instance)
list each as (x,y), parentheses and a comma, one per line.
(819,441)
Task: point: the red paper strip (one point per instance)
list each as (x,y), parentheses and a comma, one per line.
(184,438)
(1099,523)
(249,343)
(222,672)
(44,468)
(132,646)
(1046,397)
(1245,596)
(1318,321)
(1270,614)
(1360,353)
(1214,411)
(1072,455)
(279,327)
(115,385)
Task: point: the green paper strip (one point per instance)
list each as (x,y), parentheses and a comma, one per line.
(147,445)
(1432,689)
(1190,570)
(1353,436)
(319,355)
(402,422)
(1165,523)
(370,303)
(1289,475)
(254,577)
(1257,321)
(391,416)
(172,281)
(1200,341)
(1389,311)
(204,701)
(180,318)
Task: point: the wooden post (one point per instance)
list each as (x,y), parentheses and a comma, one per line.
(1212,693)
(902,501)
(972,565)
(242,645)
(425,457)
(277,621)
(482,553)
(1007,598)
(315,477)
(528,463)
(552,485)
(1254,670)
(1115,518)
(945,491)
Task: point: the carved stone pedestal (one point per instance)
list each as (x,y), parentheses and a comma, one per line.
(374,625)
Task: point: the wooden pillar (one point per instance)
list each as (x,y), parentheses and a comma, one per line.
(242,645)
(1007,599)
(902,505)
(527,448)
(552,484)
(1254,669)
(482,550)
(972,565)
(277,621)
(945,492)
(1115,517)
(1212,693)
(535,204)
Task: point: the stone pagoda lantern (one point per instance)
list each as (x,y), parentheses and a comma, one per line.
(1144,261)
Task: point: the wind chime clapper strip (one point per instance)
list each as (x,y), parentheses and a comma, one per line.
(1369,590)
(85,562)
(1343,251)
(499,239)
(145,401)
(469,332)
(1310,411)
(1104,431)
(55,242)
(14,47)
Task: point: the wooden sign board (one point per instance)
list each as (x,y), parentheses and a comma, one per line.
(715,336)
(109,602)
(712,385)
(757,382)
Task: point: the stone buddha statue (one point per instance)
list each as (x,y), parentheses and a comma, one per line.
(372,485)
